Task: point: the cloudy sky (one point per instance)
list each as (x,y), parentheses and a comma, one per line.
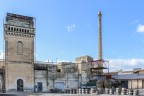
(66,29)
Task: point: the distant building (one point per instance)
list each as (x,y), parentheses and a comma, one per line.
(134,79)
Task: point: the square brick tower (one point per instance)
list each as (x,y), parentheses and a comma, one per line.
(19,33)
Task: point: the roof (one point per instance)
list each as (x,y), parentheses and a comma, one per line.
(129,76)
(19,16)
(98,68)
(43,66)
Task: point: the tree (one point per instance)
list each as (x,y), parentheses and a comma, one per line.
(50,73)
(69,71)
(53,77)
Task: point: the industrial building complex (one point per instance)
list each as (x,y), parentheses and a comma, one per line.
(20,72)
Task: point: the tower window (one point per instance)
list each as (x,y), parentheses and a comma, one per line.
(25,30)
(9,28)
(19,48)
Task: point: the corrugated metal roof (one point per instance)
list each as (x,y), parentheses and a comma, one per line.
(129,76)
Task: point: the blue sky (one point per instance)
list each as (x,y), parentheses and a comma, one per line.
(66,29)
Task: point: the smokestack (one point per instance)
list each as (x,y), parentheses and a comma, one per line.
(99,36)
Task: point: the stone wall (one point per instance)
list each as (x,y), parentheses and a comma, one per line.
(1,64)
(19,52)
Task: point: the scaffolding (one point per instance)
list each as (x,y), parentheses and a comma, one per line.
(97,69)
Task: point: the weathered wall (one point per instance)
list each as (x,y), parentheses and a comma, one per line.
(1,64)
(19,52)
(19,66)
(40,76)
(19,71)
(1,82)
(135,84)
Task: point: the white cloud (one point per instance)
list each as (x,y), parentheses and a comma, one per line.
(71,27)
(125,64)
(140,28)
(1,54)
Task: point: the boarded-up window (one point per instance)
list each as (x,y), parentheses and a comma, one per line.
(19,48)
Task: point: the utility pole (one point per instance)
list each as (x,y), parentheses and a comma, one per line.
(47,69)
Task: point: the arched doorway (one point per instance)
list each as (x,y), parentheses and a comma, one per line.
(19,85)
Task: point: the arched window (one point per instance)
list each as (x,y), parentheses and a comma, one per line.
(19,48)
(27,31)
(9,28)
(22,30)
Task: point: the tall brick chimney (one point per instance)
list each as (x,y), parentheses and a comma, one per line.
(99,36)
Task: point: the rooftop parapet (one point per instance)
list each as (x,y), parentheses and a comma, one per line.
(19,20)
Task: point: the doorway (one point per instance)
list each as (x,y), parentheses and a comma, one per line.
(19,85)
(39,84)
